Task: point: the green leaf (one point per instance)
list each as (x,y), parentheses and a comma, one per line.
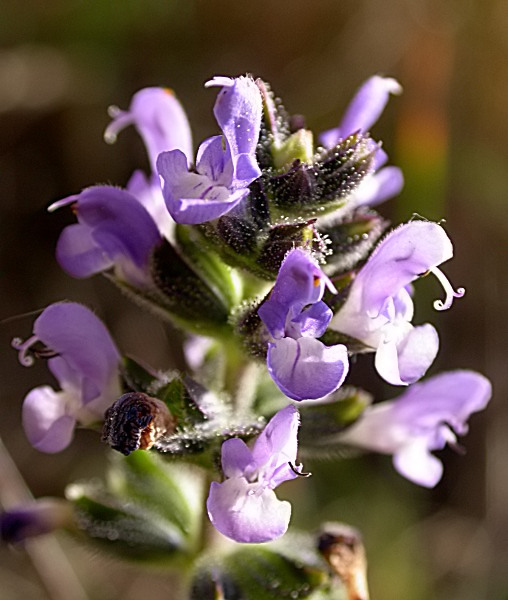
(124,529)
(172,491)
(322,422)
(148,510)
(256,573)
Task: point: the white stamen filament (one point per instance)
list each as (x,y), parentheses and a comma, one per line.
(23,347)
(120,120)
(448,288)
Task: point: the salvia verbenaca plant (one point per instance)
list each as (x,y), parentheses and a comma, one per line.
(263,247)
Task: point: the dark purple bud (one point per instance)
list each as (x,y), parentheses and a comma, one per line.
(33,519)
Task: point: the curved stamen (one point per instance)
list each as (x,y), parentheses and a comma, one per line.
(448,288)
(23,349)
(297,470)
(121,119)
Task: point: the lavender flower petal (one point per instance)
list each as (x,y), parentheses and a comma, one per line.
(223,172)
(378,187)
(244,507)
(401,362)
(379,308)
(425,418)
(247,513)
(84,360)
(238,112)
(148,192)
(160,120)
(364,109)
(80,339)
(306,369)
(47,425)
(113,230)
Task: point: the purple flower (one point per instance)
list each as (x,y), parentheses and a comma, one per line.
(84,359)
(33,519)
(294,314)
(159,119)
(426,417)
(244,507)
(363,111)
(225,164)
(379,308)
(114,231)
(148,192)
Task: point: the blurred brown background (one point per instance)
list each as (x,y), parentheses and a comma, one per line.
(63,62)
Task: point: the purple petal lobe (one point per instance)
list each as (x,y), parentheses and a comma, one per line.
(419,466)
(300,282)
(405,361)
(277,445)
(81,339)
(306,369)
(378,187)
(225,165)
(235,457)
(244,507)
(160,120)
(405,254)
(78,253)
(426,417)
(47,425)
(148,193)
(364,110)
(114,229)
(246,512)
(238,112)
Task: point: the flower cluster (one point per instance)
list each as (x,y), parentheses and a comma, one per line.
(248,245)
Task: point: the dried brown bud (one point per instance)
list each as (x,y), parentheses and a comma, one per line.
(135,422)
(342,547)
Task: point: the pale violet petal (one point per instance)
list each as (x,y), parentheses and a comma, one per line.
(405,359)
(235,457)
(415,462)
(47,424)
(160,120)
(246,512)
(306,369)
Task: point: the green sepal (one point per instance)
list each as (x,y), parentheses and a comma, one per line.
(136,377)
(259,573)
(311,190)
(204,419)
(298,146)
(225,281)
(280,240)
(187,296)
(323,422)
(352,239)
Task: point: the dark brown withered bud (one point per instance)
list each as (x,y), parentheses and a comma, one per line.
(342,547)
(135,422)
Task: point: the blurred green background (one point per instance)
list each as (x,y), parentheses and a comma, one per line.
(62,63)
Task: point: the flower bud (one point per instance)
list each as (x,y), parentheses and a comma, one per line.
(33,519)
(342,547)
(135,422)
